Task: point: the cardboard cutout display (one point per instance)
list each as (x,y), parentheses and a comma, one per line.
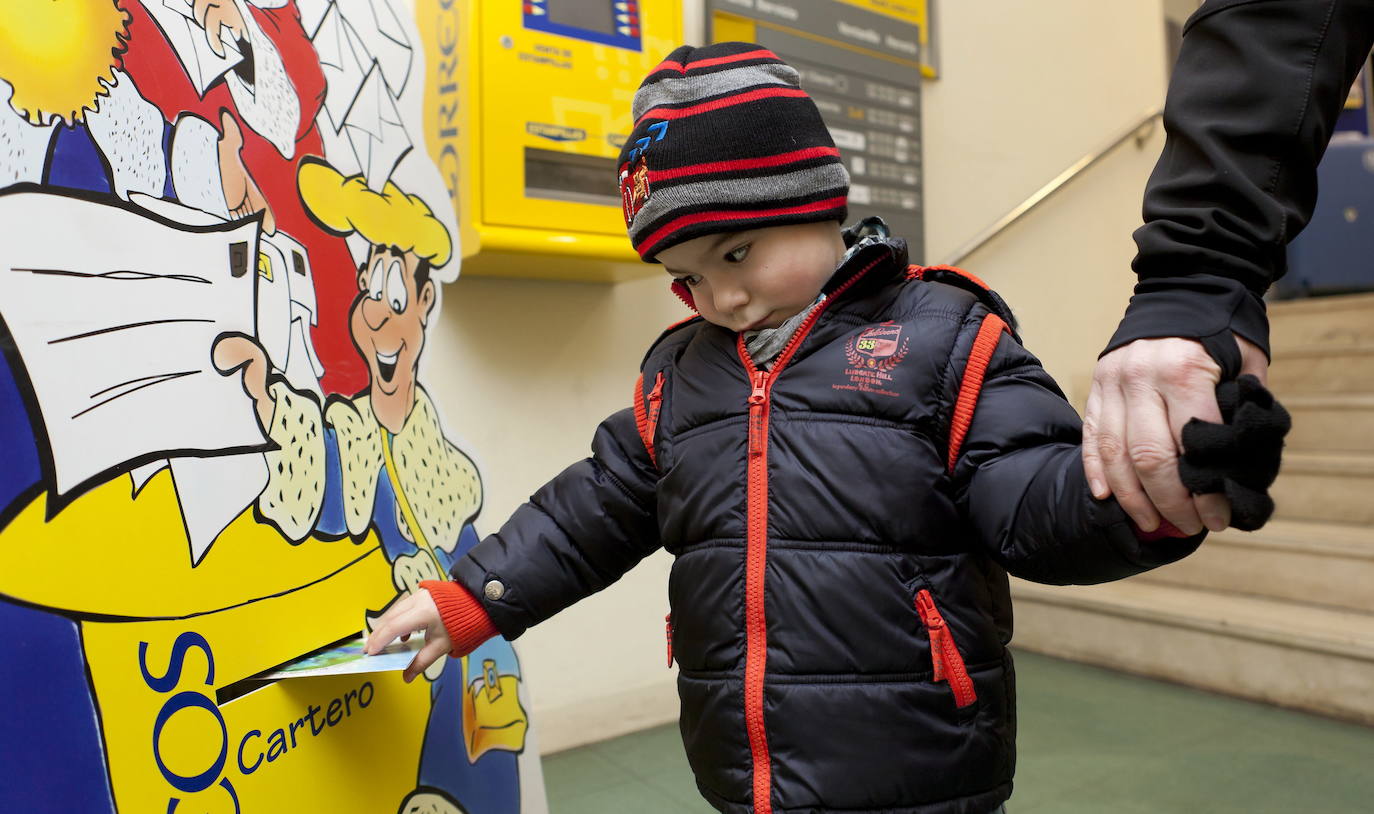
(224,245)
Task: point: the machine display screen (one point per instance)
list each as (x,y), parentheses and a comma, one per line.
(608,22)
(589,15)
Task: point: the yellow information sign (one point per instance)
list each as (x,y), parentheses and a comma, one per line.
(911,11)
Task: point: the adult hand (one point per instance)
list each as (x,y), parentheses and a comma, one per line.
(408,615)
(1142,395)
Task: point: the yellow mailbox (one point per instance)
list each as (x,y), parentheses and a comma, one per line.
(225,241)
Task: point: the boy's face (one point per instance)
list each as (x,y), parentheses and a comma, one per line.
(759,278)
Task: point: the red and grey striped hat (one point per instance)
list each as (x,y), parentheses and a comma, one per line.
(725,140)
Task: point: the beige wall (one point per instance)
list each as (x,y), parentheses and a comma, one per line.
(1023,94)
(524,370)
(1180,10)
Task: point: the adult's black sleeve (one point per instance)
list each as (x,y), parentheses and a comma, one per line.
(1251,106)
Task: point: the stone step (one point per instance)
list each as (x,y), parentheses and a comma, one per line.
(1286,653)
(1326,321)
(1325,487)
(1305,370)
(1314,563)
(1331,423)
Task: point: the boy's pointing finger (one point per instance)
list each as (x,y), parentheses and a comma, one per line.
(390,625)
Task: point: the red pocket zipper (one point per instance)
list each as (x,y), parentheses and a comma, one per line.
(944,654)
(669,622)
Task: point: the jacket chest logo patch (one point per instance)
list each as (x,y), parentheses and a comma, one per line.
(871,356)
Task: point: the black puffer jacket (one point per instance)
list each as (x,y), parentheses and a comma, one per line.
(810,510)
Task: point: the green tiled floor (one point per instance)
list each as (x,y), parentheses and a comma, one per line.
(1091,741)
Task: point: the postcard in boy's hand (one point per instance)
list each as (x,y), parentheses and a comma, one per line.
(348,657)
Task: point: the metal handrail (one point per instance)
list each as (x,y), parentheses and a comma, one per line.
(1140,131)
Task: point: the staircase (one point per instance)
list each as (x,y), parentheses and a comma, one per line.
(1284,615)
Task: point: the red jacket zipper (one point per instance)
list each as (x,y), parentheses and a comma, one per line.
(944,654)
(668,620)
(655,404)
(756,546)
(646,420)
(756,561)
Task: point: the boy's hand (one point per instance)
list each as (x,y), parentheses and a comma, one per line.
(1239,457)
(408,615)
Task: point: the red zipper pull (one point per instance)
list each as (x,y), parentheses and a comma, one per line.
(669,620)
(760,395)
(757,400)
(651,420)
(935,626)
(930,615)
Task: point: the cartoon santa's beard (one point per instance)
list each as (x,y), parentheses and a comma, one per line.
(263,93)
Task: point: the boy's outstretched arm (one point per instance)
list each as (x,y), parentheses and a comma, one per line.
(1019,480)
(579,533)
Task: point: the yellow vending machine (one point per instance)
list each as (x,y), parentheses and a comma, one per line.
(529,114)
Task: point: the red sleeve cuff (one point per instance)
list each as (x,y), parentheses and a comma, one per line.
(467,622)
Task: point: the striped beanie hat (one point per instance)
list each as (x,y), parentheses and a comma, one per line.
(725,140)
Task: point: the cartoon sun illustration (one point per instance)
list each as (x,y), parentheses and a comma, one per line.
(60,55)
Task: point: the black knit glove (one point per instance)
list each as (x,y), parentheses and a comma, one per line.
(1239,457)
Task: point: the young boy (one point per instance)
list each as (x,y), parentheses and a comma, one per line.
(846,457)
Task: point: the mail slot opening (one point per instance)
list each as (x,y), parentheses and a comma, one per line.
(272,675)
(570,177)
